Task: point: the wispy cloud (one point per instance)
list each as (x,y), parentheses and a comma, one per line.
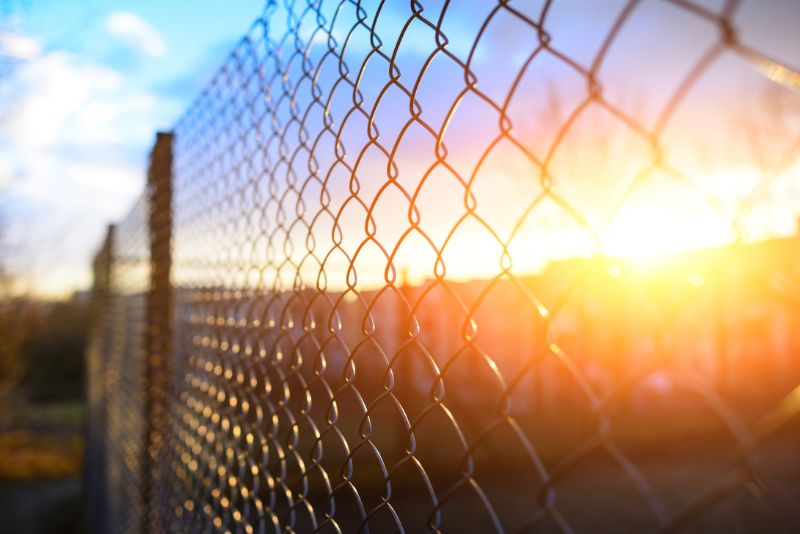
(137,33)
(71,152)
(19,46)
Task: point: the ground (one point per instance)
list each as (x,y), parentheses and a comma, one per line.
(41,461)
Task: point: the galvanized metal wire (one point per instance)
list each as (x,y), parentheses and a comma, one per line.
(123,371)
(357,338)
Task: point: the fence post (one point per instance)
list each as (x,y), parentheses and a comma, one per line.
(158,331)
(96,385)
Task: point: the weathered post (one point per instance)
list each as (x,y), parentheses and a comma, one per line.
(158,333)
(96,384)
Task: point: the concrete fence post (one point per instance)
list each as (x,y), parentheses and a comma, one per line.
(96,386)
(158,331)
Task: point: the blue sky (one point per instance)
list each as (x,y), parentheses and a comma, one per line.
(84,87)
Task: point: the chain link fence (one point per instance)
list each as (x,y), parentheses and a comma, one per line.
(464,267)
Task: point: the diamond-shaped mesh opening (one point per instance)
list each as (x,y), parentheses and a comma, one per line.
(514,267)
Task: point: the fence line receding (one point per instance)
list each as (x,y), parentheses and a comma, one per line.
(463,267)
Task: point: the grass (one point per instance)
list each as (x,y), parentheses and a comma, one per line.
(41,441)
(27,456)
(68,416)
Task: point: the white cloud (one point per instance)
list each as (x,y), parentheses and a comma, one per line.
(137,33)
(65,151)
(56,88)
(19,46)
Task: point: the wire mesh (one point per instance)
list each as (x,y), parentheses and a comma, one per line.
(96,364)
(124,370)
(401,297)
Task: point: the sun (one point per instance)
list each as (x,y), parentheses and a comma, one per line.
(648,232)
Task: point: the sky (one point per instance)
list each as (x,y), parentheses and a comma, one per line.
(656,49)
(84,86)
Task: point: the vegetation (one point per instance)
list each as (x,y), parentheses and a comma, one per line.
(41,348)
(41,388)
(26,455)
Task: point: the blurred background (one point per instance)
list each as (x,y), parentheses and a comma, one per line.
(83,87)
(627,283)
